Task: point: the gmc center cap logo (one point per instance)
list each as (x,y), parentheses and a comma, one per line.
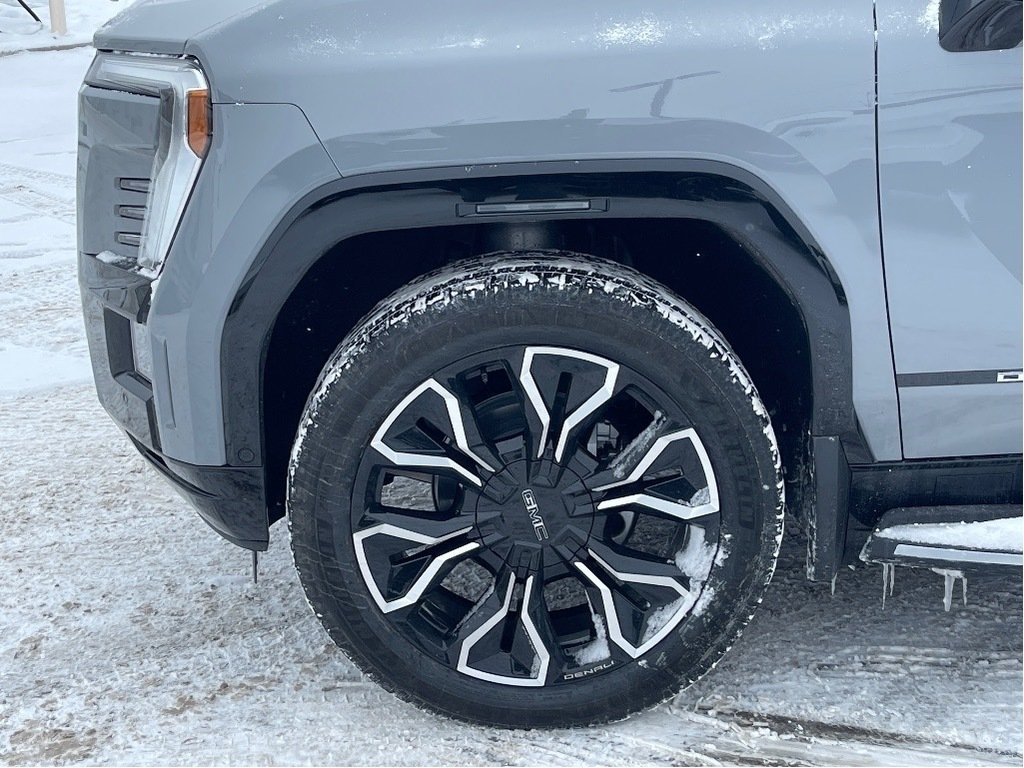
(530,502)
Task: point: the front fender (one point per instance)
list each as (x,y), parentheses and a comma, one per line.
(264,159)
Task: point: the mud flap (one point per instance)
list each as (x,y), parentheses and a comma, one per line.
(826,526)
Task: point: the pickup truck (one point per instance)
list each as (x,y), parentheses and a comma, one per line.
(534,320)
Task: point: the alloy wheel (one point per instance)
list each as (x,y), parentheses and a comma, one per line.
(535,515)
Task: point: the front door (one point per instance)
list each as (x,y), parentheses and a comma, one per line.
(949,148)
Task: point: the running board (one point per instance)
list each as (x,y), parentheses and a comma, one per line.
(971,537)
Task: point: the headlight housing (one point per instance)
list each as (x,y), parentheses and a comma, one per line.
(183,140)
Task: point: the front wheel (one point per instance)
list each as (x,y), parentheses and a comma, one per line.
(535,490)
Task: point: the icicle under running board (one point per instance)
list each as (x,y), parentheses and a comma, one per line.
(951,541)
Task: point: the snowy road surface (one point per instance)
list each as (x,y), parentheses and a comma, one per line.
(133,634)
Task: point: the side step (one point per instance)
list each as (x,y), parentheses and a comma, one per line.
(961,537)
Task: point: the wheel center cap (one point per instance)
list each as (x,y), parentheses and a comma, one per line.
(535,505)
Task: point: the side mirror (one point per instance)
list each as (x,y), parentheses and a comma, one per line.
(980,25)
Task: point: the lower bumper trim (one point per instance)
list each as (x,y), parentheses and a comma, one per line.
(232,500)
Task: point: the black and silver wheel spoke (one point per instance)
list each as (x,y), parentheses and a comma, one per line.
(411,522)
(504,644)
(399,564)
(672,477)
(640,606)
(427,430)
(563,387)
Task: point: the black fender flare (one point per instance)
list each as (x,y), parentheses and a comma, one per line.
(734,199)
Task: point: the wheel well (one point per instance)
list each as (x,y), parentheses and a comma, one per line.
(698,260)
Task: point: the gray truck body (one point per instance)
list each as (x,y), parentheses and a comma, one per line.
(906,188)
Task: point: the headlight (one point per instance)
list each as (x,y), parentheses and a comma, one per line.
(184,137)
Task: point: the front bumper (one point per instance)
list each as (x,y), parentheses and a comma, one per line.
(114,297)
(232,500)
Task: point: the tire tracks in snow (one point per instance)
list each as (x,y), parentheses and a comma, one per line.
(22,186)
(887,660)
(819,741)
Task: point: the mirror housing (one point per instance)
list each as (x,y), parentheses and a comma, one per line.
(980,25)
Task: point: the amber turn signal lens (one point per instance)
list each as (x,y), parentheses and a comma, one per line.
(199,121)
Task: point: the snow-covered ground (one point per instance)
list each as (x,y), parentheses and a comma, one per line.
(19,31)
(132,634)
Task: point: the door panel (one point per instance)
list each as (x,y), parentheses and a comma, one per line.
(975,419)
(949,136)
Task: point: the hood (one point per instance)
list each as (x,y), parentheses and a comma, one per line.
(164,26)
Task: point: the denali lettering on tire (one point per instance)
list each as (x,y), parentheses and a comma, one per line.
(535,490)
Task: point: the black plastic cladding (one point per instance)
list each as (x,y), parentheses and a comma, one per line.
(718,193)
(232,500)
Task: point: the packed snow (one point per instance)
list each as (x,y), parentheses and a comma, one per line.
(929,18)
(132,634)
(1004,535)
(597,649)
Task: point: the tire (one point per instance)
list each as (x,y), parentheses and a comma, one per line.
(535,490)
